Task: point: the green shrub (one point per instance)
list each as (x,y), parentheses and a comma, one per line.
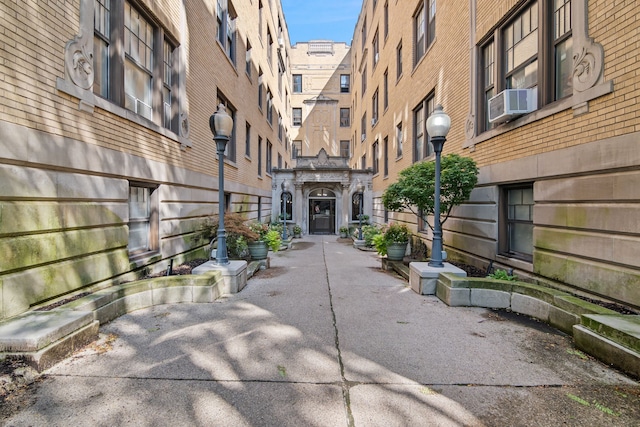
(502,275)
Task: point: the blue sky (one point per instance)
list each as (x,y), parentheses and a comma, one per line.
(321,19)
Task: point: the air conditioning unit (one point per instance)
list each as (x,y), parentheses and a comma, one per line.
(363,137)
(511,103)
(375,58)
(281,42)
(373,122)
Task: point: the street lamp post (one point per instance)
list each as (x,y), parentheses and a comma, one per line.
(360,189)
(438,126)
(221,125)
(285,199)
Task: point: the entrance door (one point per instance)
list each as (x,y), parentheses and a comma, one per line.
(322,216)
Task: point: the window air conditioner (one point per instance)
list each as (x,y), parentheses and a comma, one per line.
(281,42)
(375,58)
(363,137)
(373,122)
(511,103)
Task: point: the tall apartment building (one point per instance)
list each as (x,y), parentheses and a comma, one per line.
(557,198)
(107,163)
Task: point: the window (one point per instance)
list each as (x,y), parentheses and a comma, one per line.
(399,61)
(226,20)
(248,59)
(563,48)
(138,47)
(297,116)
(423,147)
(385,149)
(344,148)
(521,49)
(269,107)
(386,89)
(364,33)
(364,126)
(376,157)
(259,156)
(279,161)
(230,151)
(143,219)
(424,27)
(297,83)
(101,43)
(260,18)
(260,88)
(364,80)
(279,127)
(375,47)
(247,140)
(296,149)
(488,71)
(169,119)
(269,156)
(399,140)
(374,108)
(134,63)
(345,117)
(363,161)
(386,19)
(538,35)
(345,83)
(269,48)
(518,236)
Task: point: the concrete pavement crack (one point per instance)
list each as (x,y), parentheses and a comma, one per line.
(345,384)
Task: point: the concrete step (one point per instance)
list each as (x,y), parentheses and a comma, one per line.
(42,338)
(612,338)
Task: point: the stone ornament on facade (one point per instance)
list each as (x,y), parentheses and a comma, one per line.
(470,127)
(78,58)
(587,66)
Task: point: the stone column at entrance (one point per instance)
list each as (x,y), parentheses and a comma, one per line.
(346,205)
(299,207)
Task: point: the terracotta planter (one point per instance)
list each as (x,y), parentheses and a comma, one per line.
(258,250)
(396,251)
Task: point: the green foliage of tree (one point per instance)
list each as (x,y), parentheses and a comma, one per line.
(415,189)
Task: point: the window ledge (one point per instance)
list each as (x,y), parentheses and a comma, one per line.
(517,263)
(577,101)
(141,259)
(89,100)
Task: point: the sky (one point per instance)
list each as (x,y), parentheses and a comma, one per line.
(321,19)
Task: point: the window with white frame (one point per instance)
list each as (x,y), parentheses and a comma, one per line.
(138,65)
(345,83)
(374,108)
(297,116)
(143,220)
(376,157)
(297,83)
(375,47)
(399,140)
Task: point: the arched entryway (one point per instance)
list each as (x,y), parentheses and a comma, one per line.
(322,211)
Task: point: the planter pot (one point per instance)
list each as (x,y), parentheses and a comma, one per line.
(344,235)
(396,251)
(258,250)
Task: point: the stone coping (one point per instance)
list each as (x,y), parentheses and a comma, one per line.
(43,338)
(608,335)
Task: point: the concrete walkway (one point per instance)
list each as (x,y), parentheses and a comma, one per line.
(326,338)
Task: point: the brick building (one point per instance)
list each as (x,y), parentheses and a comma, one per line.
(557,197)
(108,167)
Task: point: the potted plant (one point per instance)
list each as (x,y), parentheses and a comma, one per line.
(267,238)
(392,241)
(297,231)
(344,231)
(237,232)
